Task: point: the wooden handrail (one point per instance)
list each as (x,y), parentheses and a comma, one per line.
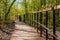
(47,9)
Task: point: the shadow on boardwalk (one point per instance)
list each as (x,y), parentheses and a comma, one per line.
(24,32)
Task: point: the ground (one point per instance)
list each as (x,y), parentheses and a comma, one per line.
(25,32)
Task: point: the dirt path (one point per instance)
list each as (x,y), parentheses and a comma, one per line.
(24,32)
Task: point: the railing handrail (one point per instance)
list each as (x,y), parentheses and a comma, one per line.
(47,9)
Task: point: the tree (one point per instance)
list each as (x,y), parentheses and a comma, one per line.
(9,9)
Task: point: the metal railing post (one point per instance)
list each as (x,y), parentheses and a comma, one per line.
(30,19)
(34,20)
(54,28)
(41,23)
(24,17)
(46,25)
(37,21)
(19,18)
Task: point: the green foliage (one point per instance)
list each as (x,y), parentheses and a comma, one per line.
(36,5)
(26,7)
(4,7)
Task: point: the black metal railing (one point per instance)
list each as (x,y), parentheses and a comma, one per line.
(36,19)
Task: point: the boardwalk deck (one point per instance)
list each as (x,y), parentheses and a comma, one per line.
(25,32)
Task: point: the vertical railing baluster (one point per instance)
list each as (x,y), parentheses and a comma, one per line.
(28,18)
(41,23)
(46,25)
(37,21)
(54,28)
(24,18)
(20,19)
(32,19)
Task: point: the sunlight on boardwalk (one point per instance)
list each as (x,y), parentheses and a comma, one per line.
(24,32)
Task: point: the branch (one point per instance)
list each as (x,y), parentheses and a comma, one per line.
(9,8)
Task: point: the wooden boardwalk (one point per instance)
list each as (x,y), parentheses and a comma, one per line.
(25,32)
